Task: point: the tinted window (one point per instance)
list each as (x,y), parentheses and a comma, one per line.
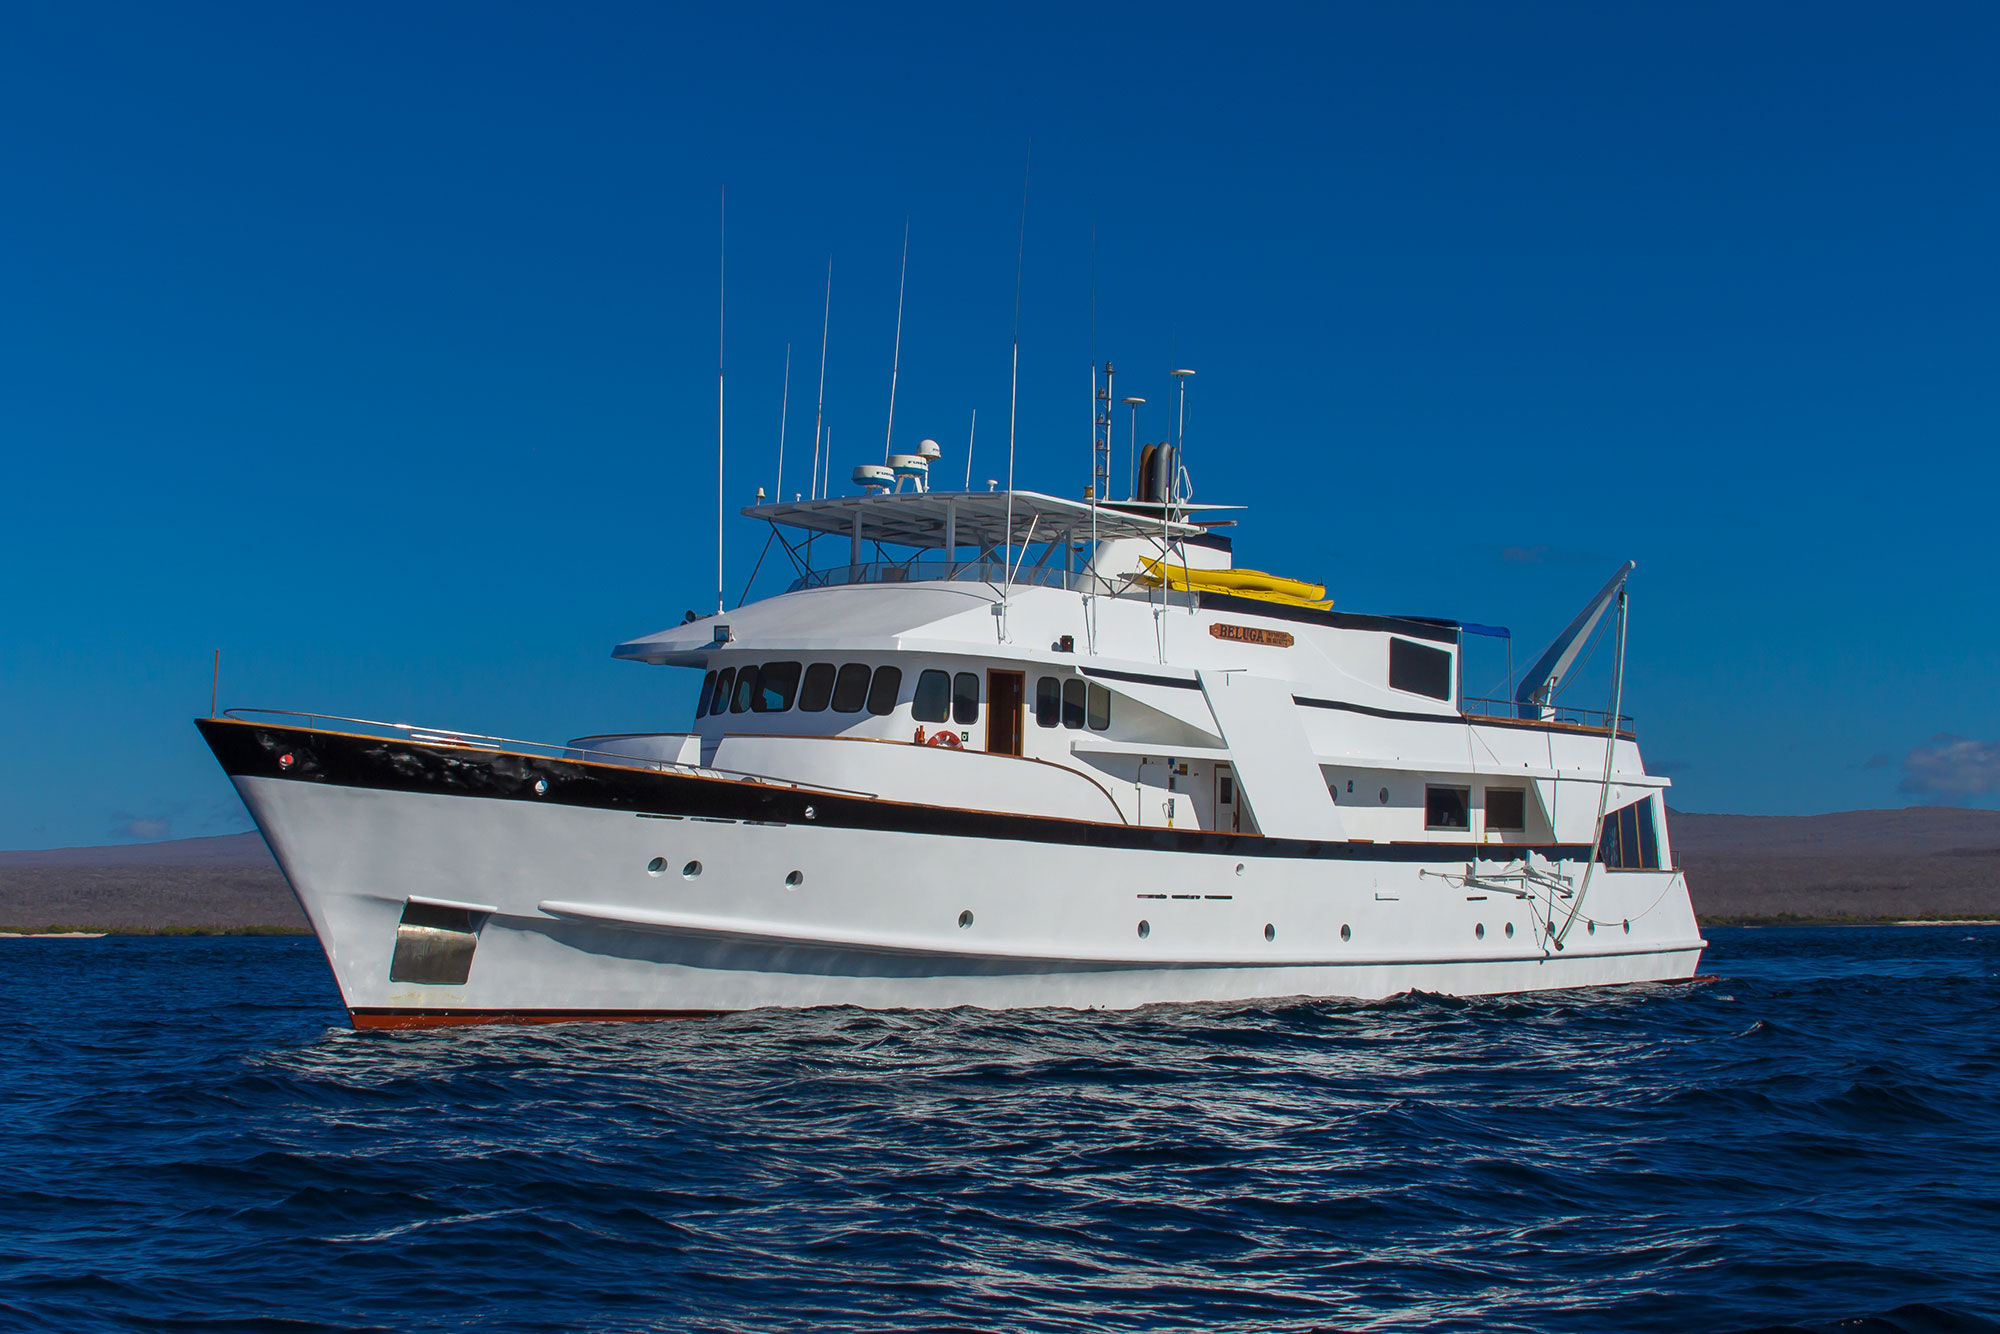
(1419,668)
(818,689)
(1506,809)
(707,693)
(1048,702)
(850,691)
(1099,712)
(965,698)
(882,691)
(1445,807)
(933,701)
(1072,702)
(725,681)
(1630,841)
(746,690)
(776,685)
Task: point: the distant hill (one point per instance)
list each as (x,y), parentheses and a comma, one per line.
(225,883)
(1924,861)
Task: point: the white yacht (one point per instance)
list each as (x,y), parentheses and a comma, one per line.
(992,749)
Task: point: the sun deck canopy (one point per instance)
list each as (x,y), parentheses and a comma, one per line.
(931,519)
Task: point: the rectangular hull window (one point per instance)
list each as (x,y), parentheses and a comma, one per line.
(1631,842)
(434,945)
(1445,807)
(1419,668)
(1506,810)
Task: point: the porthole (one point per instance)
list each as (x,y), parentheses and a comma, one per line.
(1592,927)
(1145,928)
(1479,931)
(1346,932)
(1270,931)
(1383,796)
(1510,930)
(965,919)
(1239,868)
(691,870)
(1628,926)
(657,866)
(795,879)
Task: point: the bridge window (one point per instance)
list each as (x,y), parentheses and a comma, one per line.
(1446,807)
(725,681)
(933,699)
(746,689)
(1506,810)
(850,690)
(777,684)
(817,691)
(707,693)
(882,691)
(1048,702)
(1098,715)
(965,698)
(1419,668)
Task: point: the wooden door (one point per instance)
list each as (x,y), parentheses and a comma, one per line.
(1006,698)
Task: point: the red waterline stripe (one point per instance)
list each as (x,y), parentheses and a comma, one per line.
(412,1018)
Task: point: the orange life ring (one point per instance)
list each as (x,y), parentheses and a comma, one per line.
(949,740)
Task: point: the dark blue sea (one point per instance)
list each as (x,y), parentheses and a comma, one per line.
(192,1139)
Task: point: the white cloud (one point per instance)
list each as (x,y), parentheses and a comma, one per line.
(1952,767)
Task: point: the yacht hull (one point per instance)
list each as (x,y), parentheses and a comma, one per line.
(572,890)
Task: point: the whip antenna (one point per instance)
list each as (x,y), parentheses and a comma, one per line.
(784,409)
(1014,387)
(819,413)
(896,358)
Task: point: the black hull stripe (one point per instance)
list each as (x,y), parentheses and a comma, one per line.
(256,750)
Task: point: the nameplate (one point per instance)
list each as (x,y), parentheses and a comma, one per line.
(1250,634)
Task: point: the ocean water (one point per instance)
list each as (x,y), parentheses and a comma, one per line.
(193,1140)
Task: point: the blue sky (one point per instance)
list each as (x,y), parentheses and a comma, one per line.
(375,345)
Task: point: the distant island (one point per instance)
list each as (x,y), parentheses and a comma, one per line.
(1921,863)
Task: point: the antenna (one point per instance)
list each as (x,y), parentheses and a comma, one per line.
(1180,435)
(784,408)
(1132,458)
(896,360)
(819,413)
(721,308)
(1014,387)
(1100,436)
(969,436)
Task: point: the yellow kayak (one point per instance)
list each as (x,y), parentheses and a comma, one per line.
(1239,583)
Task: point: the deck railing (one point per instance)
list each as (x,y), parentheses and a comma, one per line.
(1591,720)
(549,750)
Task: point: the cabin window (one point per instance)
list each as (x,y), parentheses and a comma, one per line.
(1419,668)
(882,691)
(707,693)
(725,681)
(850,690)
(965,698)
(1446,807)
(1072,702)
(1048,702)
(777,685)
(1098,714)
(1631,841)
(746,689)
(1506,810)
(932,703)
(817,691)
